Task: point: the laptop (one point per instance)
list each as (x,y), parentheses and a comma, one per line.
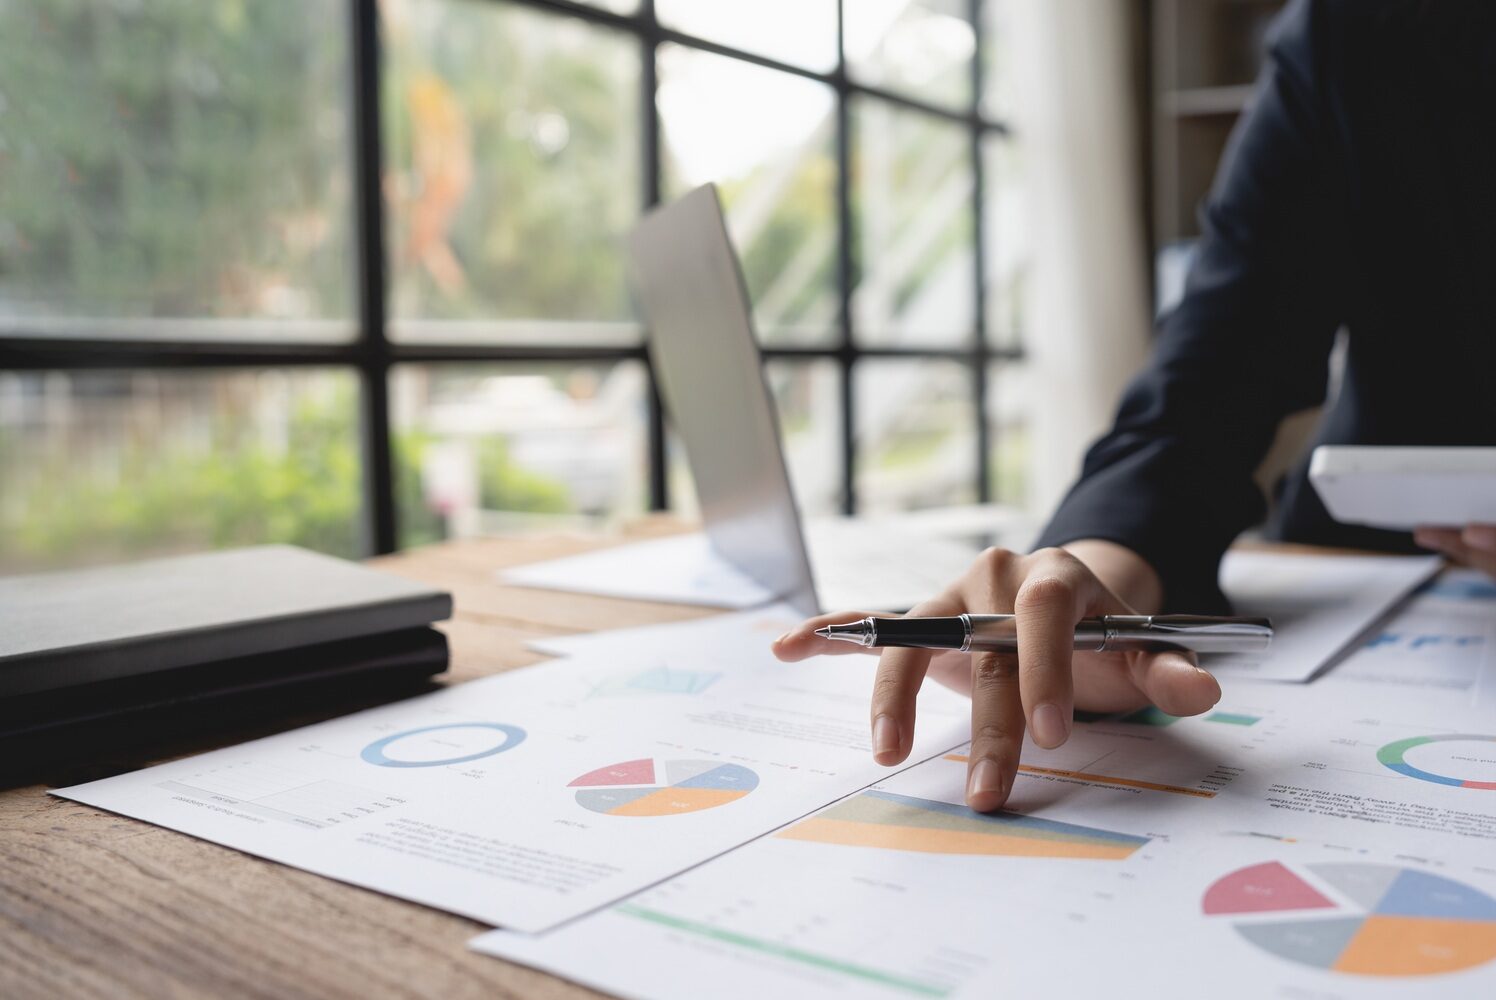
(690,289)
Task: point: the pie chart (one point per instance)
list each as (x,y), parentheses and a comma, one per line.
(1460,759)
(650,787)
(1364,919)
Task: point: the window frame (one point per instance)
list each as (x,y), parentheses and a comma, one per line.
(373,355)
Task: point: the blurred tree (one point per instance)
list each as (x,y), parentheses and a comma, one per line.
(174,158)
(504,486)
(237,490)
(512,151)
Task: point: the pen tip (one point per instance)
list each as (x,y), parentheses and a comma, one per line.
(824,632)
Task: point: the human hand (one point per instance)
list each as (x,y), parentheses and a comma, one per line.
(1040,686)
(1475,545)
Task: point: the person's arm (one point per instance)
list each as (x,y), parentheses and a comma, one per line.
(1248,345)
(1165,492)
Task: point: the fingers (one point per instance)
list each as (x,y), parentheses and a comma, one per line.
(1480,546)
(1475,545)
(996,730)
(1444,540)
(801,642)
(1048,605)
(1174,682)
(900,674)
(1481,537)
(1104,683)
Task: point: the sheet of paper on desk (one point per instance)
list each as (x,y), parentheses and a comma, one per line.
(1238,918)
(526,799)
(1319,605)
(1252,839)
(681,569)
(762,624)
(1438,651)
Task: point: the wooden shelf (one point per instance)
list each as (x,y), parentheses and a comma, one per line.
(1204,55)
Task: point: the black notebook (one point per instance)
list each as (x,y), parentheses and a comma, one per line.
(71,629)
(147,713)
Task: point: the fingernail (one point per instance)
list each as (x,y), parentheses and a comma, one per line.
(781,638)
(986,779)
(885,735)
(1051,726)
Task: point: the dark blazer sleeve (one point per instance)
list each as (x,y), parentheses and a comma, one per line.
(1248,344)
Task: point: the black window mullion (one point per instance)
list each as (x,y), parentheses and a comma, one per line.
(649,123)
(845,268)
(980,382)
(381,534)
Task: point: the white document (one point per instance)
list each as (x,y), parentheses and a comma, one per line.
(1308,855)
(680,569)
(901,890)
(1438,651)
(902,569)
(897,891)
(1235,917)
(1321,606)
(529,798)
(863,564)
(753,631)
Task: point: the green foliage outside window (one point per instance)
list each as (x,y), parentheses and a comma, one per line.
(176,158)
(237,492)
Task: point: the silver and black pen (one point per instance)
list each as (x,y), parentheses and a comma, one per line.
(1104,633)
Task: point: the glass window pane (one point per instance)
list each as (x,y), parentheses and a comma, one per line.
(1009,410)
(1009,249)
(616,6)
(512,155)
(483,448)
(798,32)
(916,434)
(176,169)
(105,465)
(914,220)
(679,484)
(922,48)
(999,72)
(767,139)
(808,395)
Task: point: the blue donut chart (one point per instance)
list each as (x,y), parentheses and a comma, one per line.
(1393,756)
(374,752)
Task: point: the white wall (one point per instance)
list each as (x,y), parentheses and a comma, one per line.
(1088,327)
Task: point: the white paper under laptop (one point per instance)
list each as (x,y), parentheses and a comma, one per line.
(695,304)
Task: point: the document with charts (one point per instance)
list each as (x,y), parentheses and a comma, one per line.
(1321,606)
(1248,838)
(1238,916)
(1438,650)
(526,799)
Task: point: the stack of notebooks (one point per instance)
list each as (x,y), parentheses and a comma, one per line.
(94,660)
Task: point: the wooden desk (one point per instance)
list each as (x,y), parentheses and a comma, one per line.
(97,905)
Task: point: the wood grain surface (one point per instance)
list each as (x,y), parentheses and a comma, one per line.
(97,905)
